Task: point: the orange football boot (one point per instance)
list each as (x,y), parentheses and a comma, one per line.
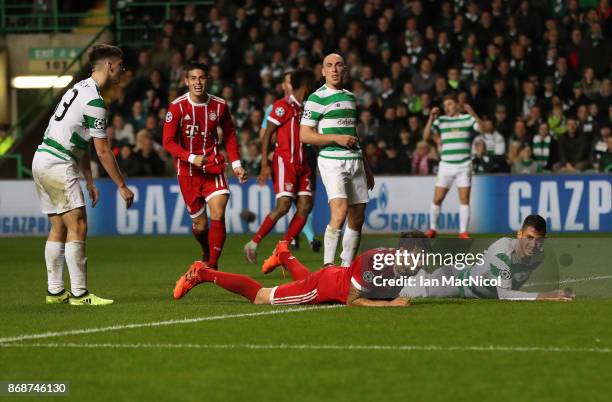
(274,261)
(189,280)
(431,233)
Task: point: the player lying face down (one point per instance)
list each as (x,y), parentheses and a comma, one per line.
(334,284)
(509,262)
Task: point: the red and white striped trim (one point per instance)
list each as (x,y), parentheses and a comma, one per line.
(220,100)
(180,98)
(297,299)
(273,120)
(216,193)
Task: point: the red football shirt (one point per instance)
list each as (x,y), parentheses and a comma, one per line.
(191,129)
(286,114)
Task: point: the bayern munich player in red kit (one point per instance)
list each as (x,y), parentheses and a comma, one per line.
(352,285)
(190,136)
(291,172)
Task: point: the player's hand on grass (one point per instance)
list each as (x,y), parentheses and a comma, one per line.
(400,302)
(127,195)
(240,174)
(94,195)
(346,141)
(557,295)
(264,175)
(200,160)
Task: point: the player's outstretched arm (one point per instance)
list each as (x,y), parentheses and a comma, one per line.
(105,154)
(557,295)
(355,299)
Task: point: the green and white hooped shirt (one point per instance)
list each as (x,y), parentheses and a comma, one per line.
(333,111)
(80,115)
(456,133)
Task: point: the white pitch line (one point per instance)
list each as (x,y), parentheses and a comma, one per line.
(44,335)
(570,280)
(396,348)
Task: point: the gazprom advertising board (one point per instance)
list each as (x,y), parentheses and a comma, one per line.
(570,203)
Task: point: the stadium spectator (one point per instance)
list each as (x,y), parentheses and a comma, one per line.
(422,163)
(573,150)
(124,132)
(600,148)
(494,141)
(146,159)
(481,160)
(525,163)
(545,148)
(544,63)
(605,160)
(368,128)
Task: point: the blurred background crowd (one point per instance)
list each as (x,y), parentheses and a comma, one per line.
(537,72)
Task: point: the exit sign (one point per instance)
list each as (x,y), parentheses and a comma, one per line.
(52,59)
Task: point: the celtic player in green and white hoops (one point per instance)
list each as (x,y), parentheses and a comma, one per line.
(456,131)
(510,261)
(57,167)
(328,121)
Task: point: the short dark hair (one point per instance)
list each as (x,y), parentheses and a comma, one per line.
(302,76)
(101,52)
(414,239)
(536,222)
(196,65)
(451,96)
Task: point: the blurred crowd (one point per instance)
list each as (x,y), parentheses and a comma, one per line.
(537,72)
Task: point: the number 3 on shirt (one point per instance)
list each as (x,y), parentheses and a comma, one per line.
(66,105)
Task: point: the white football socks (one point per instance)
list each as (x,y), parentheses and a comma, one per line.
(54,259)
(434,213)
(76,259)
(330,242)
(350,244)
(464,217)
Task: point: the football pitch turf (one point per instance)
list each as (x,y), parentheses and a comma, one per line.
(215,346)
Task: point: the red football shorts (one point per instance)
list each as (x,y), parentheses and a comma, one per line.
(290,178)
(198,190)
(327,285)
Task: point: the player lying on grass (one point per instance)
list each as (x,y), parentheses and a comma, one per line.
(512,260)
(333,284)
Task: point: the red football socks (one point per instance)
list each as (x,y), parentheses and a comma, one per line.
(235,283)
(216,239)
(295,268)
(264,229)
(295,227)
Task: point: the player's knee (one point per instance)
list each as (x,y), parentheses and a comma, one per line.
(199,227)
(283,205)
(79,228)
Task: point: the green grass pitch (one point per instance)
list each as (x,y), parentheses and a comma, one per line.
(215,346)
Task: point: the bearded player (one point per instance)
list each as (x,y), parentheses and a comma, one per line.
(352,285)
(292,174)
(190,136)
